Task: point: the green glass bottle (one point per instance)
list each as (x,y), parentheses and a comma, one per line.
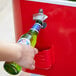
(30,38)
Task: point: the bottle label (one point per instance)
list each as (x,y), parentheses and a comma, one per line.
(24,41)
(36,27)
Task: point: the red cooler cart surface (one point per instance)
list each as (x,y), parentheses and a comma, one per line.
(57,42)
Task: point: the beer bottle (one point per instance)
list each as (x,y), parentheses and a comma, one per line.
(30,38)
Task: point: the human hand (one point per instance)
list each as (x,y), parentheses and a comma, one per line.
(27,57)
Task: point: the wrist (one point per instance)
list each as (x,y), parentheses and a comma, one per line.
(10,52)
(19,53)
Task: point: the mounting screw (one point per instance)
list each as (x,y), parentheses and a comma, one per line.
(40,10)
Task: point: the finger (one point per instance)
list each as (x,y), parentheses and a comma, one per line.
(32,55)
(33,62)
(32,67)
(35,51)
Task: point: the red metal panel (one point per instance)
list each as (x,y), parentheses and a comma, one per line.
(58,38)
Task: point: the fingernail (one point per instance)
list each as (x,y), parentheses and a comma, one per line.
(36,51)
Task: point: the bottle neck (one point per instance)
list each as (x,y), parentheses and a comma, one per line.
(39,21)
(34,30)
(37,26)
